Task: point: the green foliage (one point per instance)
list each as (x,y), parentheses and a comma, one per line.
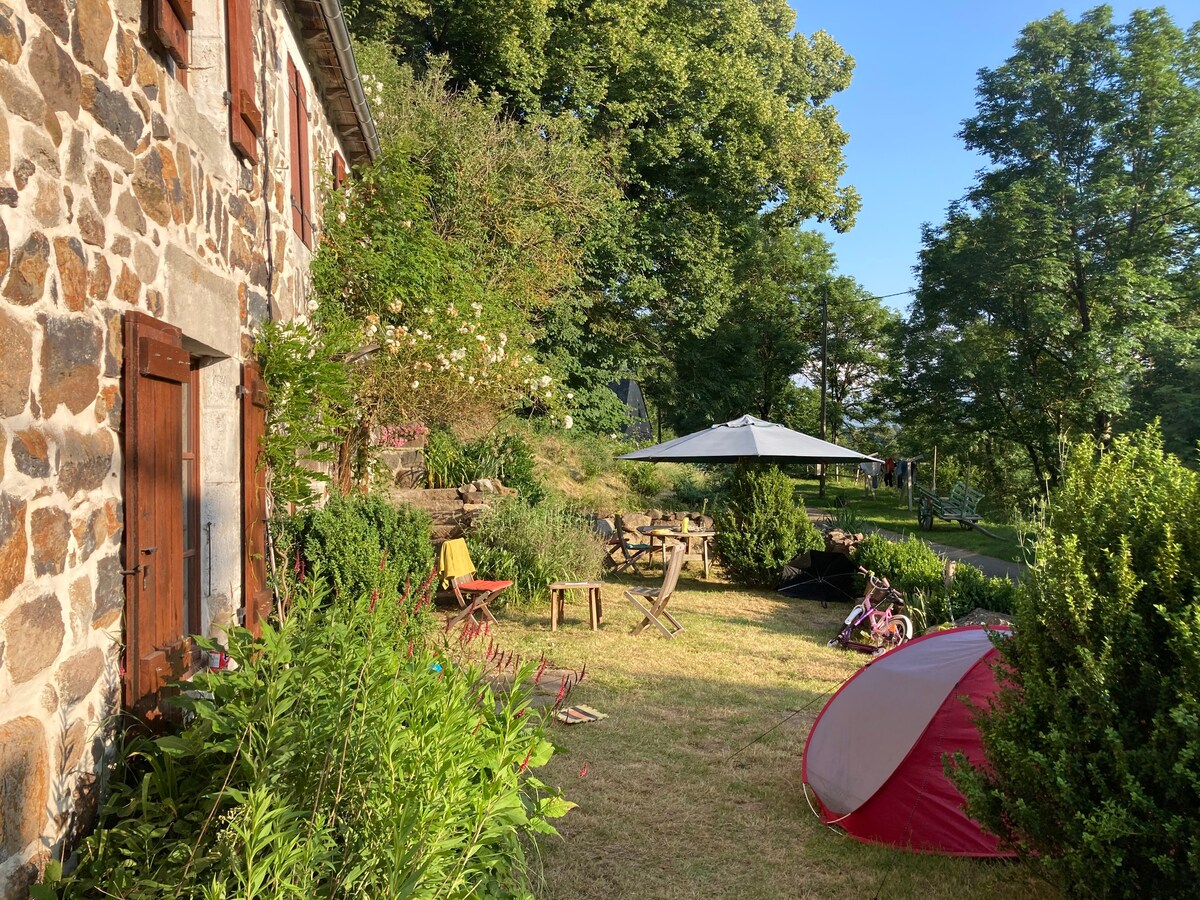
(761,526)
(310,398)
(645,480)
(534,546)
(363,544)
(914,569)
(713,123)
(1092,742)
(339,760)
(1061,288)
(910,565)
(507,457)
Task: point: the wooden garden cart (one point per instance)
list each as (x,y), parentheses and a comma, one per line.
(960,506)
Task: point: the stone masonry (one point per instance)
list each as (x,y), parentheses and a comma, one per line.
(118,191)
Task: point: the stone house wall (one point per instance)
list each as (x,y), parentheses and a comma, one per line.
(118,191)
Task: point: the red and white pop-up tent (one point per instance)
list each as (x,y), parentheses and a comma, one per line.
(874,756)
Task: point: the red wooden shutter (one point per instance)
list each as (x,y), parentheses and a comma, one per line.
(256,592)
(171,20)
(339,171)
(157,649)
(245,118)
(298,129)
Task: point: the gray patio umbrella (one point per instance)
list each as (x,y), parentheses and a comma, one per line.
(744,438)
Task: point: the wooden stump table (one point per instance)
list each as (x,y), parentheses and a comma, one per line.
(558,598)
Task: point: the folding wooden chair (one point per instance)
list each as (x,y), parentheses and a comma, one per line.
(473,594)
(624,555)
(656,612)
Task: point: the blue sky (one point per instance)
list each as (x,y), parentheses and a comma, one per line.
(914,83)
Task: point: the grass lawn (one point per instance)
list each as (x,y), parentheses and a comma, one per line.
(664,812)
(889,510)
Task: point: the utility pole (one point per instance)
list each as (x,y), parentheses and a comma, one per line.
(824,368)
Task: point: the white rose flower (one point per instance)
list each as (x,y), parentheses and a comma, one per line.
(568,422)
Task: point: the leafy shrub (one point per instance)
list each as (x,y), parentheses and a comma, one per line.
(363,544)
(309,404)
(1091,745)
(971,589)
(761,526)
(910,565)
(534,546)
(337,761)
(645,480)
(451,463)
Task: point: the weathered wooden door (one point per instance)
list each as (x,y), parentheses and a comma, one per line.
(256,590)
(157,650)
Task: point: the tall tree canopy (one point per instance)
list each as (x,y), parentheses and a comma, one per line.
(713,118)
(1068,274)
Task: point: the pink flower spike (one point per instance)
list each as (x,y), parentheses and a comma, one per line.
(374,597)
(542,668)
(525,764)
(583,771)
(410,649)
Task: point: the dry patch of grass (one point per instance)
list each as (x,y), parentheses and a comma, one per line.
(666,810)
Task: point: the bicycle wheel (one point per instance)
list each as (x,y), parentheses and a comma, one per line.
(925,514)
(898,630)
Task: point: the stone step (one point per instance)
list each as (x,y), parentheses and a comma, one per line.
(426,498)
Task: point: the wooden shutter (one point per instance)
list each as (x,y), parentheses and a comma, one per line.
(245,118)
(256,590)
(301,175)
(339,171)
(157,649)
(171,20)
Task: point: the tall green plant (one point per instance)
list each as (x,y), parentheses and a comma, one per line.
(344,758)
(1093,741)
(309,404)
(761,526)
(534,546)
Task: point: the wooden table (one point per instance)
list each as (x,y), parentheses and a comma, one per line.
(662,532)
(558,598)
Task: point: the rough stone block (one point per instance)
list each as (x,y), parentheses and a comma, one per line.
(115,153)
(47,207)
(156,183)
(128,287)
(14,546)
(54,14)
(93,27)
(110,593)
(129,213)
(31,452)
(10,40)
(17,369)
(27,275)
(90,531)
(79,674)
(21,98)
(84,461)
(112,110)
(91,225)
(72,272)
(55,74)
(50,532)
(70,363)
(82,605)
(25,775)
(34,634)
(126,55)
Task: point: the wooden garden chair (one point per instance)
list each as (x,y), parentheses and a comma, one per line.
(624,555)
(652,602)
(472,594)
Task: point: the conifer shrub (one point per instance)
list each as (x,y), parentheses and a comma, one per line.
(1092,745)
(761,526)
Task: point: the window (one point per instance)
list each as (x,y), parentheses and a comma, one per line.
(161,537)
(171,23)
(298,128)
(245,119)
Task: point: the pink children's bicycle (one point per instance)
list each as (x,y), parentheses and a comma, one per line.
(877,620)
